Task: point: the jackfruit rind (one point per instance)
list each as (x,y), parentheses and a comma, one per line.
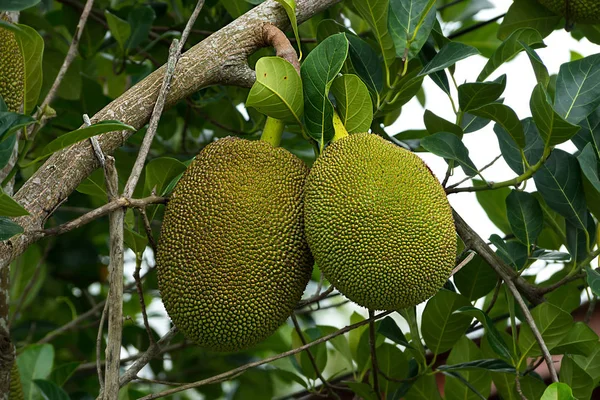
(12,71)
(232,256)
(584,11)
(378,223)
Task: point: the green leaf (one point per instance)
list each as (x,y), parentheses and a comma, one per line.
(512,252)
(424,388)
(464,351)
(428,53)
(410,22)
(558,391)
(17,5)
(579,380)
(593,280)
(160,172)
(340,343)
(135,241)
(476,279)
(50,390)
(119,29)
(449,146)
(363,390)
(78,135)
(567,297)
(435,124)
(589,165)
(319,352)
(375,13)
(365,63)
(474,95)
(353,103)
(390,330)
(531,387)
(578,88)
(9,207)
(510,48)
(393,364)
(94,185)
(318,71)
(540,70)
(525,216)
(61,374)
(552,127)
(288,376)
(580,339)
(504,116)
(290,9)
(10,122)
(559,183)
(493,335)
(140,20)
(528,14)
(552,322)
(8,228)
(31,48)
(6,150)
(589,133)
(439,326)
(448,55)
(235,8)
(277,91)
(488,365)
(590,363)
(493,203)
(578,240)
(35,362)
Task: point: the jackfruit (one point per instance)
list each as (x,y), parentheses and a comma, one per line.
(583,11)
(232,257)
(16,388)
(12,71)
(378,223)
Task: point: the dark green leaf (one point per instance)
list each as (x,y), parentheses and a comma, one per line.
(449,146)
(318,71)
(319,352)
(567,297)
(468,384)
(393,364)
(590,363)
(540,70)
(448,55)
(366,63)
(512,252)
(135,241)
(489,365)
(580,339)
(524,216)
(471,123)
(589,165)
(10,122)
(552,127)
(531,387)
(160,172)
(579,380)
(493,336)
(61,374)
(578,240)
(6,150)
(528,14)
(474,95)
(426,54)
(578,88)
(424,388)
(17,5)
(552,322)
(506,117)
(462,390)
(363,390)
(8,228)
(441,328)
(119,29)
(50,390)
(140,20)
(435,124)
(476,279)
(390,330)
(410,22)
(559,183)
(593,280)
(493,203)
(510,48)
(9,207)
(543,254)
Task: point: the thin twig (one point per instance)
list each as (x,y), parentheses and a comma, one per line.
(464,262)
(534,329)
(99,347)
(315,298)
(518,387)
(372,344)
(236,371)
(147,228)
(331,392)
(148,355)
(534,366)
(590,311)
(159,382)
(70,325)
(102,211)
(478,172)
(327,307)
(476,26)
(491,305)
(140,290)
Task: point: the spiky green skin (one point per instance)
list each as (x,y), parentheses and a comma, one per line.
(232,256)
(378,223)
(584,11)
(16,388)
(12,71)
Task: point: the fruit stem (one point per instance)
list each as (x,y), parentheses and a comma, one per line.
(272,131)
(338,127)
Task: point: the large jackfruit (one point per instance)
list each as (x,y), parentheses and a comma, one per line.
(232,256)
(12,70)
(378,223)
(583,11)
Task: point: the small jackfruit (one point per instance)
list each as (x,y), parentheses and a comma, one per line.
(583,11)
(378,223)
(16,388)
(12,71)
(232,257)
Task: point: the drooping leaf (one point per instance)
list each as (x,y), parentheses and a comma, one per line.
(353,103)
(140,20)
(506,117)
(579,380)
(589,165)
(410,22)
(493,335)
(119,29)
(10,122)
(540,70)
(580,240)
(489,365)
(449,146)
(593,280)
(366,63)
(277,91)
(8,228)
(435,124)
(552,127)
(476,279)
(578,88)
(317,76)
(525,216)
(514,253)
(528,14)
(441,328)
(6,150)
(473,95)
(449,55)
(390,330)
